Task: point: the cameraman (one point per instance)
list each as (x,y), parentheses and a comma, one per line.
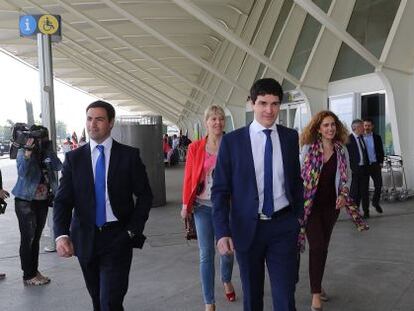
(3,195)
(34,190)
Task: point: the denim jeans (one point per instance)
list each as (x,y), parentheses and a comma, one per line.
(32,217)
(206,243)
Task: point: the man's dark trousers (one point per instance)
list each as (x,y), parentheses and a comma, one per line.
(274,243)
(374,171)
(106,273)
(360,188)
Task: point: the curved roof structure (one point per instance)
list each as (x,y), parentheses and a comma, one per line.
(174,57)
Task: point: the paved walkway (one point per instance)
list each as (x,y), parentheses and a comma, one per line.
(370,271)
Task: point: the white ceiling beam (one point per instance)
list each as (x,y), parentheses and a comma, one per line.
(209,21)
(140,52)
(202,63)
(285,25)
(101,60)
(142,100)
(112,82)
(164,98)
(393,31)
(342,34)
(157,93)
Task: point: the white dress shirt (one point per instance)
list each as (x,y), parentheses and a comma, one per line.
(361,155)
(258,142)
(94,156)
(107,143)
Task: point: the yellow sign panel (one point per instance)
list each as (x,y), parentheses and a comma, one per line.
(48,24)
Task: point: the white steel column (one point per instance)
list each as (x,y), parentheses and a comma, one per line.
(47,99)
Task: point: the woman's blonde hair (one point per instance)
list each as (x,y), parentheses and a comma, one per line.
(310,132)
(213,109)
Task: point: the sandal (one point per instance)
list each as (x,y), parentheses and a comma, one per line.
(323,296)
(36,281)
(42,277)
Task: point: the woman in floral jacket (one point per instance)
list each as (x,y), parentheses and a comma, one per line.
(326,174)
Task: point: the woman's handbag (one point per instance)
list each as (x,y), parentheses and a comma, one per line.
(190,227)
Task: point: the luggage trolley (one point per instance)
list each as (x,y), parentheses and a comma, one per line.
(394,183)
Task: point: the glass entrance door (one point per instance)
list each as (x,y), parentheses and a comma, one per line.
(373,106)
(295,116)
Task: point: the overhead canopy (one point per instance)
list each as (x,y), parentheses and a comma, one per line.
(174,57)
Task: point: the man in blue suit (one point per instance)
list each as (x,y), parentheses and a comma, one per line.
(101,208)
(257,199)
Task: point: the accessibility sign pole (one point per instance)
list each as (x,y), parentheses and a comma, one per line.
(46,28)
(44,47)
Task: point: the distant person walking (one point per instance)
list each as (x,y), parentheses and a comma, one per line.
(375,151)
(359,162)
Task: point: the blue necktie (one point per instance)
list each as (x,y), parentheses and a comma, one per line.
(268,176)
(100,186)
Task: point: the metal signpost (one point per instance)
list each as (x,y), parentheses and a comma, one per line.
(47,29)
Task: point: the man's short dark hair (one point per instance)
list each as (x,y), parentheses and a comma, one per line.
(266,86)
(369,120)
(355,122)
(110,110)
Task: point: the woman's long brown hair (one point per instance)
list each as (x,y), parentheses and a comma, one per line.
(310,132)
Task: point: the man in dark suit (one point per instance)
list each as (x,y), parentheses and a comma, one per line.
(257,198)
(375,151)
(358,159)
(101,206)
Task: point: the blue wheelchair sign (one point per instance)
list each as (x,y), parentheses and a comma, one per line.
(27,25)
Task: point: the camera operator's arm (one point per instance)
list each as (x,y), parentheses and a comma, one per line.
(24,158)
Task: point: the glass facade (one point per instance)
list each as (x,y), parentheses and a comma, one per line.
(344,107)
(281,19)
(370,24)
(310,30)
(287,86)
(373,106)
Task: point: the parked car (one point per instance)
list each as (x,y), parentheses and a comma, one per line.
(4,147)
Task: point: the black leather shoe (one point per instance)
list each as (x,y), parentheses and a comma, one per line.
(366,216)
(378,208)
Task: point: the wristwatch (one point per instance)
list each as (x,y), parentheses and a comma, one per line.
(131,234)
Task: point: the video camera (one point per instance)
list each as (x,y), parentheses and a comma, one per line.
(21,133)
(3,204)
